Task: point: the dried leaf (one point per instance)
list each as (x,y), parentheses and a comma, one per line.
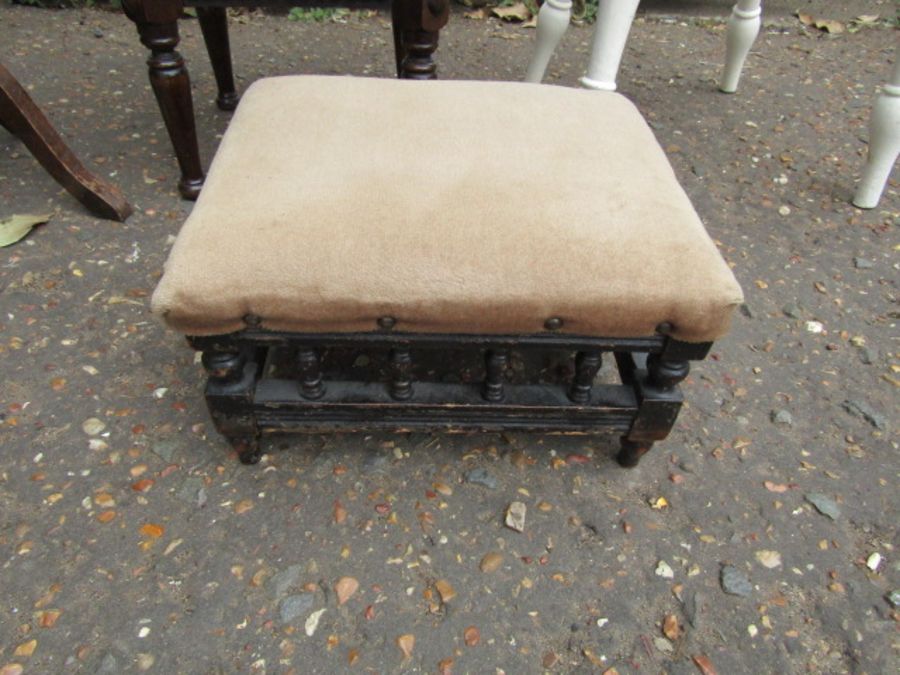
(445,666)
(48,618)
(517,12)
(340,513)
(15,227)
(12,669)
(491,562)
(830,26)
(704,664)
(806,19)
(243,506)
(406,643)
(152,530)
(106,516)
(670,627)
(26,648)
(344,588)
(770,559)
(471,636)
(142,485)
(775,487)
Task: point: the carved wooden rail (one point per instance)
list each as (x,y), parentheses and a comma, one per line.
(248,393)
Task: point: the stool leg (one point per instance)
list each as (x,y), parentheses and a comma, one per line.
(743,27)
(414,43)
(884,143)
(552,22)
(587,364)
(214,24)
(614,19)
(630,452)
(230,388)
(401,383)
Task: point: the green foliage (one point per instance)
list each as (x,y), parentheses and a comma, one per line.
(317,14)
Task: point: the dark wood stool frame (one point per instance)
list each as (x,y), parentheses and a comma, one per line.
(244,402)
(416,24)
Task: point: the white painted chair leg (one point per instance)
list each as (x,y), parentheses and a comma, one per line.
(884,143)
(743,27)
(614,18)
(553,20)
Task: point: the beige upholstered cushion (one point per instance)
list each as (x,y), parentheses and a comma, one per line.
(459,207)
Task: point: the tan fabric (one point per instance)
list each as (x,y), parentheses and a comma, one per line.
(466,207)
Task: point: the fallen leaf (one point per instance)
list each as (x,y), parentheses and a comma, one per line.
(344,588)
(11,669)
(243,506)
(770,559)
(16,226)
(26,648)
(442,488)
(340,513)
(516,12)
(471,636)
(659,503)
(830,26)
(806,19)
(491,562)
(142,485)
(104,500)
(48,618)
(153,531)
(704,664)
(445,666)
(406,643)
(106,516)
(670,627)
(775,487)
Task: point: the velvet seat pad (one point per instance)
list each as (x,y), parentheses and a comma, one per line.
(450,206)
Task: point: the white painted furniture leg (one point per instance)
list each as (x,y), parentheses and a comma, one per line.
(884,142)
(553,20)
(614,18)
(743,27)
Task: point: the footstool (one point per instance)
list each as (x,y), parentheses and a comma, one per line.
(387,254)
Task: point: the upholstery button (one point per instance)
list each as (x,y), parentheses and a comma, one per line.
(252,320)
(553,323)
(387,322)
(665,328)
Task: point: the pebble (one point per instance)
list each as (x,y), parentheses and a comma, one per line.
(782,417)
(815,327)
(481,477)
(313,622)
(286,579)
(824,505)
(863,264)
(873,561)
(92,426)
(735,582)
(663,570)
(663,645)
(770,559)
(784,210)
(98,33)
(792,311)
(894,598)
(864,410)
(691,605)
(515,516)
(165,449)
(295,605)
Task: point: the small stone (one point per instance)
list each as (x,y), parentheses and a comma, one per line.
(165,449)
(894,598)
(295,605)
(345,588)
(873,561)
(815,327)
(782,418)
(791,311)
(863,264)
(145,661)
(735,582)
(864,410)
(481,477)
(313,622)
(515,516)
(190,489)
(691,605)
(770,559)
(98,33)
(406,643)
(784,210)
(752,630)
(374,462)
(282,582)
(663,570)
(746,311)
(92,426)
(445,589)
(824,505)
(663,645)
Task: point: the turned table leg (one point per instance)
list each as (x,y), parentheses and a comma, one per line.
(552,22)
(614,19)
(743,27)
(214,24)
(416,24)
(884,143)
(157,24)
(22,117)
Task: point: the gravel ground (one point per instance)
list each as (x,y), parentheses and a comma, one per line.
(760,537)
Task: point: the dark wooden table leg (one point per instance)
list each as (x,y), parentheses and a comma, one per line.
(214,24)
(157,24)
(416,24)
(21,116)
